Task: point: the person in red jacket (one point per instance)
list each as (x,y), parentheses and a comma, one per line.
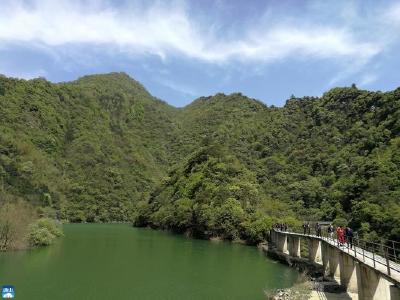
(340,235)
(342,239)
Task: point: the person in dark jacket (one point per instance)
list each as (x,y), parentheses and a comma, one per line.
(330,231)
(349,236)
(319,229)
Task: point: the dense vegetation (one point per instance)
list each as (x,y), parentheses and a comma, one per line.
(212,195)
(21,227)
(43,232)
(87,149)
(103,149)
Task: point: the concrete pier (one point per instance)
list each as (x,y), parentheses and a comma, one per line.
(349,273)
(294,246)
(334,265)
(281,243)
(325,258)
(357,273)
(315,254)
(373,286)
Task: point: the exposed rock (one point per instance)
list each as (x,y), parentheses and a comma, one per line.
(313,279)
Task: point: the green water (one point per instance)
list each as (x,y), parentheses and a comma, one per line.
(100,261)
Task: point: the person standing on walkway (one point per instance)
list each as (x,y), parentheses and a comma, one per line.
(308,228)
(339,235)
(349,237)
(342,240)
(304,228)
(319,229)
(330,231)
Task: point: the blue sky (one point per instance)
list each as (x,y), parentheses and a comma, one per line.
(181,50)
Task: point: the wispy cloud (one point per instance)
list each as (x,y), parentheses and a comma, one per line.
(368,79)
(172,30)
(392,14)
(164,30)
(178,87)
(22,74)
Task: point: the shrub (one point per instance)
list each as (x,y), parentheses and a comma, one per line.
(43,232)
(228,219)
(257,230)
(40,236)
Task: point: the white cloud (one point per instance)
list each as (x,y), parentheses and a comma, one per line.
(184,89)
(22,74)
(367,79)
(392,15)
(164,30)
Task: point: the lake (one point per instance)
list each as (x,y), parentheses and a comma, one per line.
(116,261)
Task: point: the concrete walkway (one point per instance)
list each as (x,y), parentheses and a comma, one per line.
(317,295)
(361,255)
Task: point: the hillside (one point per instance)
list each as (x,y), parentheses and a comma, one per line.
(86,148)
(101,148)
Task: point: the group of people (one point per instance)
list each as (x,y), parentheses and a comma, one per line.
(281,226)
(343,234)
(307,229)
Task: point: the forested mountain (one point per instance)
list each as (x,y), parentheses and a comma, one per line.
(87,148)
(101,148)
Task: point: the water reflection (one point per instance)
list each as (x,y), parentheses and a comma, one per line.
(99,261)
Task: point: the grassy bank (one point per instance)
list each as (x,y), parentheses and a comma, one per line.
(22,226)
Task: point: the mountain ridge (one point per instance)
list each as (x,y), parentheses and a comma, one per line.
(101,148)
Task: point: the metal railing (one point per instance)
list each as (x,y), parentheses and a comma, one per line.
(385,252)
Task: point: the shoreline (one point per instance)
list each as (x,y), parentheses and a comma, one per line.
(313,285)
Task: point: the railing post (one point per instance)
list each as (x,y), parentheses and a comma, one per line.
(387,261)
(394,252)
(373,257)
(355,251)
(363,254)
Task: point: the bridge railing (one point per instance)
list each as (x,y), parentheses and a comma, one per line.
(384,253)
